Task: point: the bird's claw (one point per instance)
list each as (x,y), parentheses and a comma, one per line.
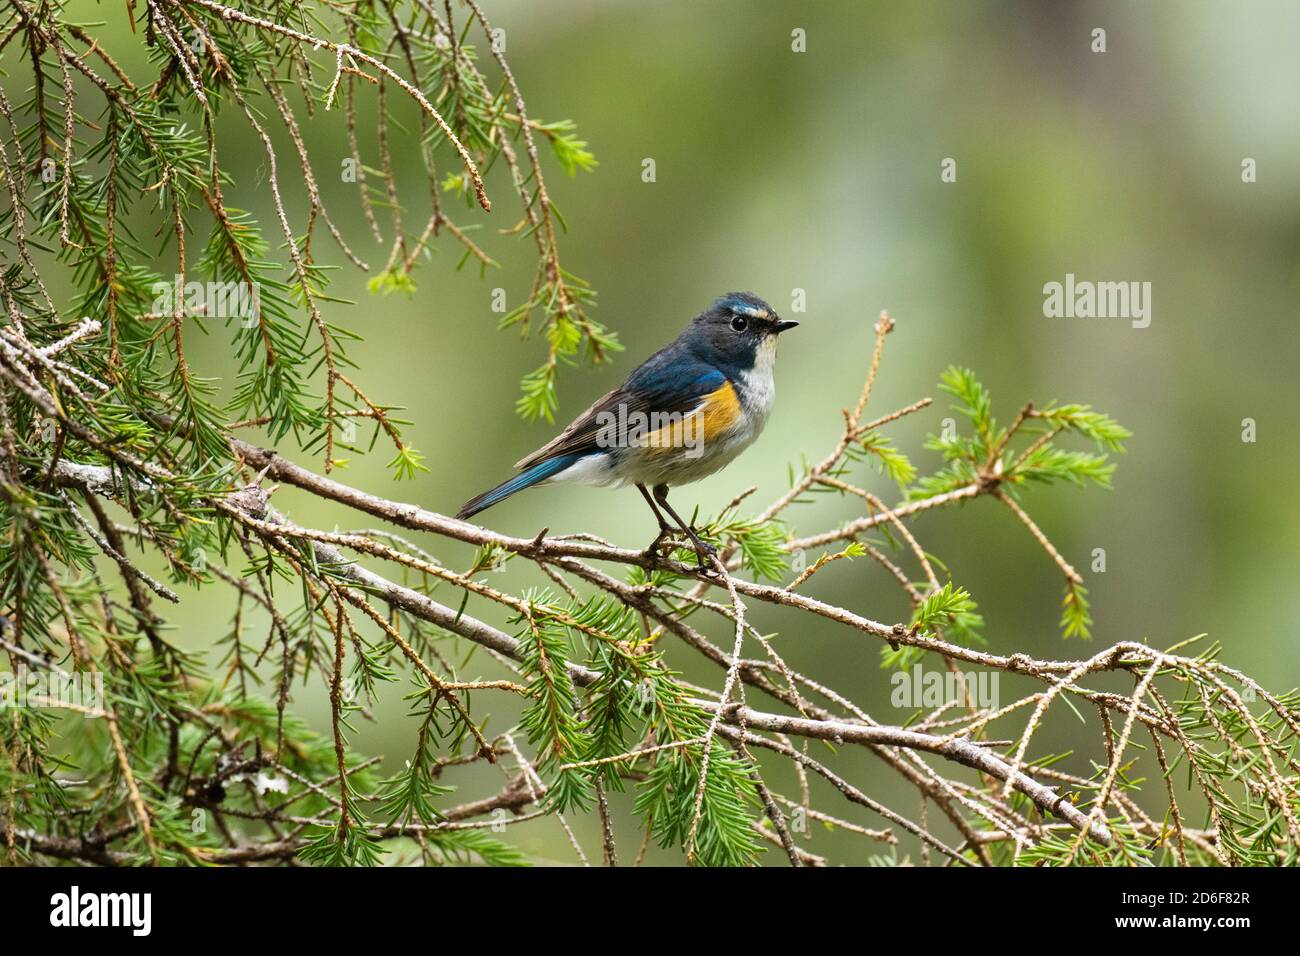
(704,550)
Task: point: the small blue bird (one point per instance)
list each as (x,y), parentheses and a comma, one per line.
(683,414)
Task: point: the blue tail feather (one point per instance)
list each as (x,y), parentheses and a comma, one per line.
(525,479)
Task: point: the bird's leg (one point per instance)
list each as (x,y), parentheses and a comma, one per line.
(703,550)
(665,529)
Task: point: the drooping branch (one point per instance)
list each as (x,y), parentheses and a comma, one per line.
(578,557)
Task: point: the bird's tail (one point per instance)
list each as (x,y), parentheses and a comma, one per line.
(525,479)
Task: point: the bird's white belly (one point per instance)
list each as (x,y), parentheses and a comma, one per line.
(680,468)
(682,465)
(659,467)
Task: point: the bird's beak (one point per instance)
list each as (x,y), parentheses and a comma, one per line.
(785,324)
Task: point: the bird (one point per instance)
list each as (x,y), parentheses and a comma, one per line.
(682,415)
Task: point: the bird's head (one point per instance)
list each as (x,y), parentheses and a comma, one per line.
(738,330)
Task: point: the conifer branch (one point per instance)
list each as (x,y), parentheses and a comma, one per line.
(123,480)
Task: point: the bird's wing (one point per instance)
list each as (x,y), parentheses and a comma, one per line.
(655,387)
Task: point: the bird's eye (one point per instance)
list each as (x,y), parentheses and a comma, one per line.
(739,323)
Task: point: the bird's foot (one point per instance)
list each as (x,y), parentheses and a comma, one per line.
(704,551)
(670,537)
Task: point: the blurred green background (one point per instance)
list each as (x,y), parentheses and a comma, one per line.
(820,171)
